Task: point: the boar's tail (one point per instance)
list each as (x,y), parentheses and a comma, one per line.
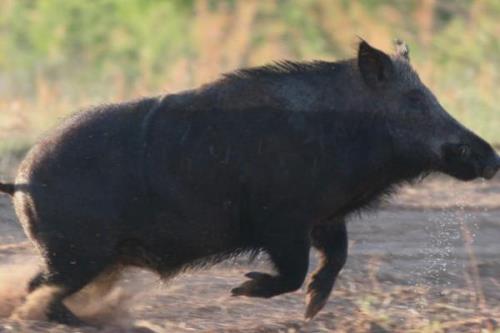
(7,188)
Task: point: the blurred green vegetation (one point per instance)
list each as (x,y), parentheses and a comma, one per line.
(57,56)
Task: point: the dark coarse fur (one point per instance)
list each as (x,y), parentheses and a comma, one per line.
(267,159)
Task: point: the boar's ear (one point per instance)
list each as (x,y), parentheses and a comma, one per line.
(402,49)
(375,66)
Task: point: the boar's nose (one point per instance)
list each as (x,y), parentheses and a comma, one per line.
(490,171)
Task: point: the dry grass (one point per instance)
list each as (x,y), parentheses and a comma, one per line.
(378,306)
(249,33)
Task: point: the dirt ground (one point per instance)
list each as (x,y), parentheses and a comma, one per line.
(427,261)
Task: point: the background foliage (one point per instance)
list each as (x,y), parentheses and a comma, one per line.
(57,56)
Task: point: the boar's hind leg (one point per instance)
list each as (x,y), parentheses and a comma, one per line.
(66,274)
(36,281)
(331,242)
(291,260)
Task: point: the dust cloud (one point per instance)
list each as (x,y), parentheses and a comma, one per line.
(99,304)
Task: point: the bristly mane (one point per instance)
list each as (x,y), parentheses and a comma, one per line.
(282,67)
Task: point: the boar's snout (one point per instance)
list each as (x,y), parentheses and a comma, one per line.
(491,169)
(471,158)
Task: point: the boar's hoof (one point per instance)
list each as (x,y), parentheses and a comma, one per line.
(59,313)
(318,292)
(35,282)
(259,285)
(315,301)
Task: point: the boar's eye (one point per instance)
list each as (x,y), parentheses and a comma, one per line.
(417,99)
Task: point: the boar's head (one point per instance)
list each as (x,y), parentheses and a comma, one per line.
(424,133)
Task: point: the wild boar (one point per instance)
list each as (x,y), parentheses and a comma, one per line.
(270,159)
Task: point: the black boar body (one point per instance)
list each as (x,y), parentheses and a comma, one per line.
(270,159)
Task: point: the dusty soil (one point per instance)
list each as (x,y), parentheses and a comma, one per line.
(428,261)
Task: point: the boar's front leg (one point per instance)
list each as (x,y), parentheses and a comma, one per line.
(331,242)
(289,252)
